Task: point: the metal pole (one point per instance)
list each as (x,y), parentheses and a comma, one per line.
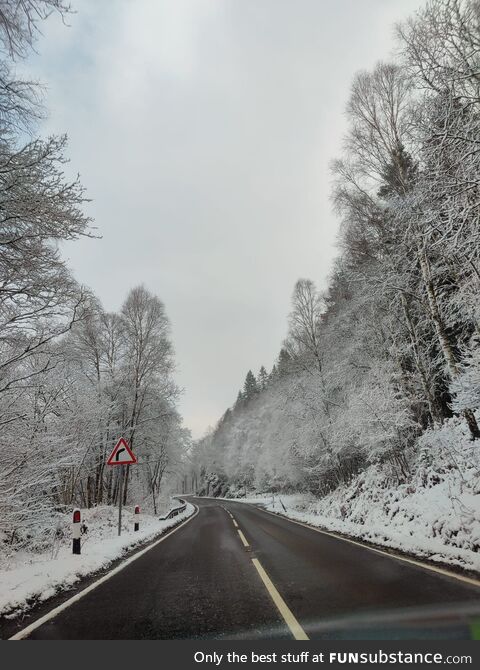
(120,501)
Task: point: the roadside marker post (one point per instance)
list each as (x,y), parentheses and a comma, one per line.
(77,519)
(121,455)
(137,524)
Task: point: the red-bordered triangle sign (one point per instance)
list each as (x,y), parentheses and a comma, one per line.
(121,454)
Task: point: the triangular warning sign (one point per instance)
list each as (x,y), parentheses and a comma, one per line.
(121,454)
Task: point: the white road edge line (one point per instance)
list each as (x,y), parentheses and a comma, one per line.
(412,561)
(426,566)
(295,628)
(53,613)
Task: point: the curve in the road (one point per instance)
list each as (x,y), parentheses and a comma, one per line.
(234,571)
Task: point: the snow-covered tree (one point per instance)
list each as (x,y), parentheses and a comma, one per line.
(391,347)
(250,386)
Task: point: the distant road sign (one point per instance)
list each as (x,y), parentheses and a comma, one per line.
(121,454)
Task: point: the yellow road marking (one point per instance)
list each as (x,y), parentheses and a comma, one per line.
(243,538)
(234,522)
(412,561)
(295,628)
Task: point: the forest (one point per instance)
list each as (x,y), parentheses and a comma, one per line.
(376,388)
(337,497)
(378,379)
(73,377)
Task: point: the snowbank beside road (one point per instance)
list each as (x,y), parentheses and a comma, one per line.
(28,579)
(434,514)
(408,536)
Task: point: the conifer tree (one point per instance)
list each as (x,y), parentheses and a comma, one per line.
(250,387)
(262,379)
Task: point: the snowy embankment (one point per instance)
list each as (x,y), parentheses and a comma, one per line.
(435,514)
(27,579)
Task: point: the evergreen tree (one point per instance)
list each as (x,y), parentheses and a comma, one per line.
(250,387)
(262,379)
(239,401)
(398,175)
(284,363)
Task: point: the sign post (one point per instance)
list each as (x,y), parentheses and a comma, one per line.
(120,500)
(121,455)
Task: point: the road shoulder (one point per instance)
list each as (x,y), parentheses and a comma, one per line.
(42,610)
(456,572)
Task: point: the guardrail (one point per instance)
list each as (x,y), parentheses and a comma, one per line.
(175,511)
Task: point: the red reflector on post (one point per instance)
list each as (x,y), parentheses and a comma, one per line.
(76,516)
(137,509)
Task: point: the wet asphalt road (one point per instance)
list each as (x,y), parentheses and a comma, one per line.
(201,582)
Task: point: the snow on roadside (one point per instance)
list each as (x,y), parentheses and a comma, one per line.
(404,537)
(31,578)
(435,514)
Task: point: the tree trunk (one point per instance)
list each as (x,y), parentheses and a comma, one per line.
(443,338)
(435,414)
(472,423)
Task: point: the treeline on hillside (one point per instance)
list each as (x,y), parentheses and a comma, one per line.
(393,346)
(73,378)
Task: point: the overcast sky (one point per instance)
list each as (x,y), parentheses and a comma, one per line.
(203,132)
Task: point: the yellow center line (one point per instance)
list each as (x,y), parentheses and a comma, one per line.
(295,628)
(243,538)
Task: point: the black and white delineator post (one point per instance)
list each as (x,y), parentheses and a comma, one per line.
(77,522)
(121,455)
(136,525)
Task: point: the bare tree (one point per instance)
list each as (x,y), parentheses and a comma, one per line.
(19,22)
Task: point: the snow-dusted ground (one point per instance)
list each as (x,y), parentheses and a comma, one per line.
(27,578)
(435,514)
